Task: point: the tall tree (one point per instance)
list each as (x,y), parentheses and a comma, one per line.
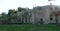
(20,9)
(3,14)
(11,11)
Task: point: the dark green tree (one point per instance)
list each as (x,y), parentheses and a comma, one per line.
(20,9)
(11,11)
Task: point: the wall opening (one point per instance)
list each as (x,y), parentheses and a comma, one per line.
(51,18)
(41,20)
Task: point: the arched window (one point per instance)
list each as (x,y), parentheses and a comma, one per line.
(51,18)
(41,19)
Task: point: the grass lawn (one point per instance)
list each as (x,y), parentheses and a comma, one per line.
(29,27)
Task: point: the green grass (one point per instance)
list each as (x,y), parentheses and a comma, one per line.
(29,27)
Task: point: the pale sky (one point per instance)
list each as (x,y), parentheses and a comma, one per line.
(5,5)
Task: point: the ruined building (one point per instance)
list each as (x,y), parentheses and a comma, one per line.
(38,15)
(45,15)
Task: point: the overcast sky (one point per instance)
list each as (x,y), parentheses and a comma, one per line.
(5,5)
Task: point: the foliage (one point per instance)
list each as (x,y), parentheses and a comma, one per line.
(20,9)
(11,11)
(14,14)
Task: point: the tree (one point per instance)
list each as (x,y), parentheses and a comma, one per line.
(11,11)
(3,13)
(4,17)
(20,9)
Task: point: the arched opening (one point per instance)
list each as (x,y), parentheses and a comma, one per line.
(41,20)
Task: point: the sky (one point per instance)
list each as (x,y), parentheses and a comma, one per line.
(5,5)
